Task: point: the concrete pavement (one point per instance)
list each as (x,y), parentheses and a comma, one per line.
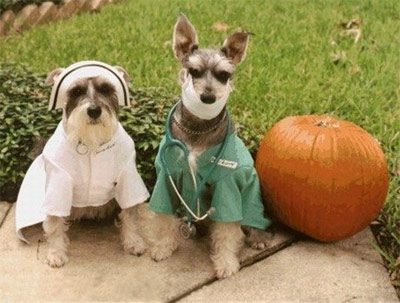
(99,270)
(346,271)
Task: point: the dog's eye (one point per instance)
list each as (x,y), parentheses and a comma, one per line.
(223,76)
(105,89)
(77,92)
(195,72)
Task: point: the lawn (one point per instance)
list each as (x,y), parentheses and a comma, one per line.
(289,69)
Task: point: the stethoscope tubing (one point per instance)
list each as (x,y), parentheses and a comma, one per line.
(169,142)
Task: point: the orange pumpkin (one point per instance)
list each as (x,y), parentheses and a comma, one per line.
(323,177)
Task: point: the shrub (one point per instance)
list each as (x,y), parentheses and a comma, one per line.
(17,5)
(26,121)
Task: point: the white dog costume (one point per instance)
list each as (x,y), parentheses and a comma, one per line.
(66,176)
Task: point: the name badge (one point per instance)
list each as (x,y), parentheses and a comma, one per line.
(105,148)
(225,163)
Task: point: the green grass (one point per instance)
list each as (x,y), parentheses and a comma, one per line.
(289,69)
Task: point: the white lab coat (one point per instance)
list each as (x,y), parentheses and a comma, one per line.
(64,176)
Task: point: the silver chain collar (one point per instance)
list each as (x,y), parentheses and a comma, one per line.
(197,132)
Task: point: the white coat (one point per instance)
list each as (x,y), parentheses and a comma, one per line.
(66,176)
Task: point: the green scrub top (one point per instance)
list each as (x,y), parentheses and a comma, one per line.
(233,189)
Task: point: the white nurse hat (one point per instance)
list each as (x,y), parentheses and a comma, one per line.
(84,69)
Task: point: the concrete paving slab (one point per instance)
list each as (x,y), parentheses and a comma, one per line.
(99,270)
(346,271)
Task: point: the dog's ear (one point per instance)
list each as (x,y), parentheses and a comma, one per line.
(52,76)
(235,47)
(123,73)
(184,40)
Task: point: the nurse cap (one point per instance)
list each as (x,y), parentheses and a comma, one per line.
(85,69)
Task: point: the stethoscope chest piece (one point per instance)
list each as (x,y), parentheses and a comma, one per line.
(81,149)
(187,230)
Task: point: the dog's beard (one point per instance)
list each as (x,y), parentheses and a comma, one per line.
(81,129)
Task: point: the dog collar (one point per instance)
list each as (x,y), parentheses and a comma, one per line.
(86,69)
(197,132)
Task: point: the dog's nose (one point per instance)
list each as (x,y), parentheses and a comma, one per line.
(94,111)
(207,98)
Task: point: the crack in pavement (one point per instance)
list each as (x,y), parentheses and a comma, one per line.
(4,210)
(246,263)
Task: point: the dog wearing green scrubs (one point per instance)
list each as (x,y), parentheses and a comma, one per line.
(230,199)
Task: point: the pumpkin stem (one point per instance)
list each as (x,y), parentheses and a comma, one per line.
(325,123)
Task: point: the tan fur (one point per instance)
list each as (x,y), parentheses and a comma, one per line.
(227,239)
(56,228)
(257,239)
(235,47)
(130,238)
(162,235)
(184,37)
(52,76)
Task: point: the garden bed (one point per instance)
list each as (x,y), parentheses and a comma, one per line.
(20,15)
(17,5)
(28,124)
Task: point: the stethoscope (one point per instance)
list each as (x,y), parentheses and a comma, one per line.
(170,141)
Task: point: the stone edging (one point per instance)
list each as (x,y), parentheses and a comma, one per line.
(33,15)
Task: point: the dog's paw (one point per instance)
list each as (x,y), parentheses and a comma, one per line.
(57,259)
(258,245)
(258,239)
(137,249)
(227,269)
(158,254)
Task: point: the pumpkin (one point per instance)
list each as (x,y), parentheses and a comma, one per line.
(321,176)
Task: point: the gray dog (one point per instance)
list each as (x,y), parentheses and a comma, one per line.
(88,166)
(200,120)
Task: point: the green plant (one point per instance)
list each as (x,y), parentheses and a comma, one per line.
(26,120)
